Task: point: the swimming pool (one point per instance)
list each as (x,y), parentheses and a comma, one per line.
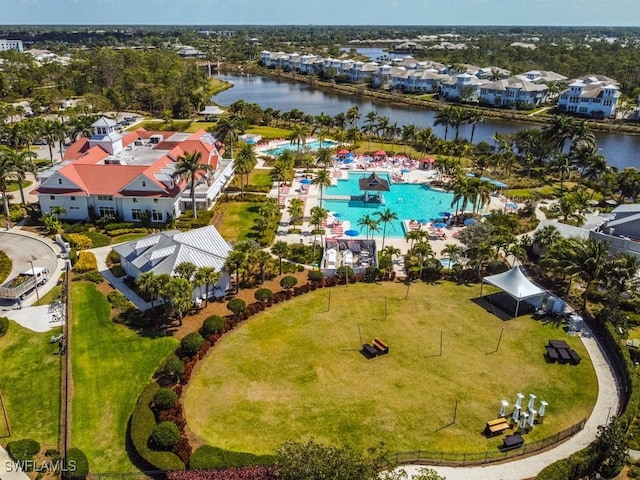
(410,201)
(314,145)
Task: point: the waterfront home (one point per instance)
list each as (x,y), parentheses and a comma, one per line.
(512,91)
(541,76)
(464,87)
(130,175)
(593,96)
(422,81)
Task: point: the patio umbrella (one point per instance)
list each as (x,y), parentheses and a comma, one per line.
(380,153)
(352,233)
(306,181)
(423,220)
(428,160)
(343,151)
(444,214)
(350,156)
(439,225)
(470,221)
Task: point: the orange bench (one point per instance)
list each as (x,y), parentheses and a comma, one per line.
(381,346)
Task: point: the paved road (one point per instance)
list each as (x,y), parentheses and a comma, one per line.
(606,405)
(23,248)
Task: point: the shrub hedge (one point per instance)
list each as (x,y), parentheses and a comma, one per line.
(165,398)
(119,226)
(77,464)
(98,239)
(142,424)
(4,326)
(211,325)
(79,240)
(164,436)
(86,262)
(119,301)
(191,343)
(23,450)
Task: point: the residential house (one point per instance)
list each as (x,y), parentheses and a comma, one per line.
(130,175)
(593,96)
(423,81)
(622,232)
(464,87)
(541,76)
(512,91)
(162,252)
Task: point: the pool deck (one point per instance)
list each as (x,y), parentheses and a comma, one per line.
(311,195)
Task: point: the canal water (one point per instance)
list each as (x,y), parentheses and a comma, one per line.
(619,150)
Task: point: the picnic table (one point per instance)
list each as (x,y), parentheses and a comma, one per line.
(512,441)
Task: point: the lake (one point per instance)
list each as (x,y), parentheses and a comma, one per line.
(619,150)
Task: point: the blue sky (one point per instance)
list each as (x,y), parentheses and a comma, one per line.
(322,12)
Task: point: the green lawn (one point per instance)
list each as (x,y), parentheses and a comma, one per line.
(295,371)
(197,125)
(30,385)
(269,132)
(237,221)
(261,178)
(111,365)
(216,85)
(14,187)
(5,266)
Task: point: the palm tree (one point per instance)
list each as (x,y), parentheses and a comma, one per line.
(458,116)
(590,259)
(561,163)
(244,163)
(50,131)
(322,180)
(208,276)
(474,117)
(148,285)
(444,117)
(21,163)
(325,157)
(353,115)
(461,192)
(386,217)
(370,125)
(369,223)
(6,174)
(188,168)
(546,237)
(408,135)
(229,127)
(295,210)
(452,251)
(280,249)
(262,260)
(298,136)
(558,130)
(185,270)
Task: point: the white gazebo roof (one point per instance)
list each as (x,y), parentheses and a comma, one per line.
(212,110)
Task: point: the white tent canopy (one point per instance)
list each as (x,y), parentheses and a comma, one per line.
(515,284)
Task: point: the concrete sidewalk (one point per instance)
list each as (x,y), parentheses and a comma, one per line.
(609,397)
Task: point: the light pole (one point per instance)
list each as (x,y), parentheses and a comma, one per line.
(35,279)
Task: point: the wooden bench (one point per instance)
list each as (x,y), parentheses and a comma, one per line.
(497,426)
(381,346)
(369,350)
(574,357)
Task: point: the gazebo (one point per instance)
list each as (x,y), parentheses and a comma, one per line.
(376,184)
(515,284)
(211,111)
